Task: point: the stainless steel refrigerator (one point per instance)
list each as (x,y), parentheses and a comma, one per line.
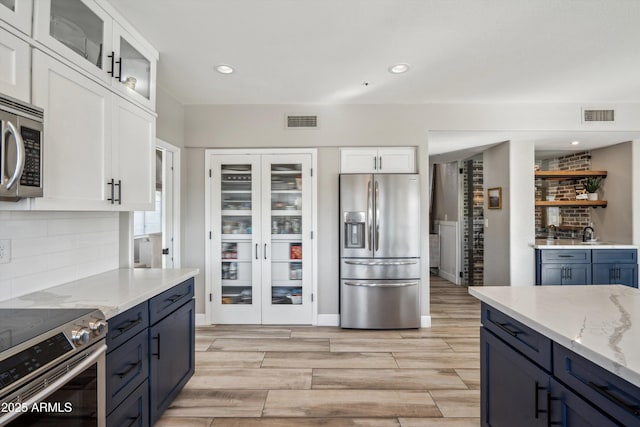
(379,251)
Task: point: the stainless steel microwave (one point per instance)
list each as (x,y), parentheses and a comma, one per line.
(21,149)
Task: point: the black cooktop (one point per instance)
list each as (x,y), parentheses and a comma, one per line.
(18,325)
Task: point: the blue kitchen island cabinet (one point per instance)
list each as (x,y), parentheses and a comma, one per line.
(171,345)
(529,380)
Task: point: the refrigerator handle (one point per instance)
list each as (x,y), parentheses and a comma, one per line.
(19,154)
(375,201)
(369,214)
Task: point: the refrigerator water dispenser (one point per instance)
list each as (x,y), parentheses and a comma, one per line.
(354,226)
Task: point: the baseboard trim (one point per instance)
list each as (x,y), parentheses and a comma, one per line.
(328,320)
(201,319)
(425,321)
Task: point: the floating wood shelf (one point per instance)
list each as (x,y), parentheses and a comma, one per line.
(564,203)
(568,174)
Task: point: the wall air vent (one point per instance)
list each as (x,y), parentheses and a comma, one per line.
(593,115)
(301,122)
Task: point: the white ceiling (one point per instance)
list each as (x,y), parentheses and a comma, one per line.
(460,51)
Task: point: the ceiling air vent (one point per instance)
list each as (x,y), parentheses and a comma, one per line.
(592,115)
(301,122)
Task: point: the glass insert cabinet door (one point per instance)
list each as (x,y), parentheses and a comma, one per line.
(261,239)
(286,231)
(236,239)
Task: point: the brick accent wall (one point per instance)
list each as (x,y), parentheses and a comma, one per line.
(473,274)
(573,219)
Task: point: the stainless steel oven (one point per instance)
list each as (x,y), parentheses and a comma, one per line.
(52,367)
(21,150)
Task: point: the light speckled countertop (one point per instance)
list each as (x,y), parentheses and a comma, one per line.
(112,292)
(598,322)
(578,244)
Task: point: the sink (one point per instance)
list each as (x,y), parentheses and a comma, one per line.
(593,242)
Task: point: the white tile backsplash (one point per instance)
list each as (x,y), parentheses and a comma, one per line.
(51,248)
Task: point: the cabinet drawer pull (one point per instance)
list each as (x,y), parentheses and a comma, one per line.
(174,298)
(133,323)
(565,256)
(136,421)
(604,392)
(131,368)
(503,326)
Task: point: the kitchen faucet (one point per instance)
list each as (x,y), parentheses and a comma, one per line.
(584,234)
(552,231)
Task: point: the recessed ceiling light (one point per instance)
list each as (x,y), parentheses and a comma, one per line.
(224,69)
(399,68)
(575,142)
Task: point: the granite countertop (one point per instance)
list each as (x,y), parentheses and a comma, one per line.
(578,244)
(112,292)
(598,322)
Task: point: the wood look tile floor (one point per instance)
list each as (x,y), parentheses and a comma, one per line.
(291,376)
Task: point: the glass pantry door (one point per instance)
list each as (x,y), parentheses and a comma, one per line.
(236,246)
(286,235)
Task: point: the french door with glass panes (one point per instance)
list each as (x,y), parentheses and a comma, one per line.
(261,238)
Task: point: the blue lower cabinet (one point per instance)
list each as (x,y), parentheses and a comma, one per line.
(150,356)
(587,267)
(565,274)
(615,274)
(172,353)
(127,367)
(513,389)
(134,412)
(569,410)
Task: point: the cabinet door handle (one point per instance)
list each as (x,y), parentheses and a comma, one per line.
(503,326)
(562,273)
(256,251)
(375,163)
(536,400)
(119,185)
(119,76)
(111,183)
(158,353)
(131,368)
(380,162)
(265,251)
(603,391)
(129,325)
(111,56)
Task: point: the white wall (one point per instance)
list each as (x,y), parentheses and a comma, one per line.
(614,223)
(446,192)
(521,204)
(51,248)
(495,163)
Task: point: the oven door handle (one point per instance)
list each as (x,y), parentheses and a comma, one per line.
(55,385)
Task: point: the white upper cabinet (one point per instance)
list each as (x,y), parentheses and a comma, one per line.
(378,160)
(84,33)
(15,63)
(133,156)
(136,68)
(99,147)
(17,13)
